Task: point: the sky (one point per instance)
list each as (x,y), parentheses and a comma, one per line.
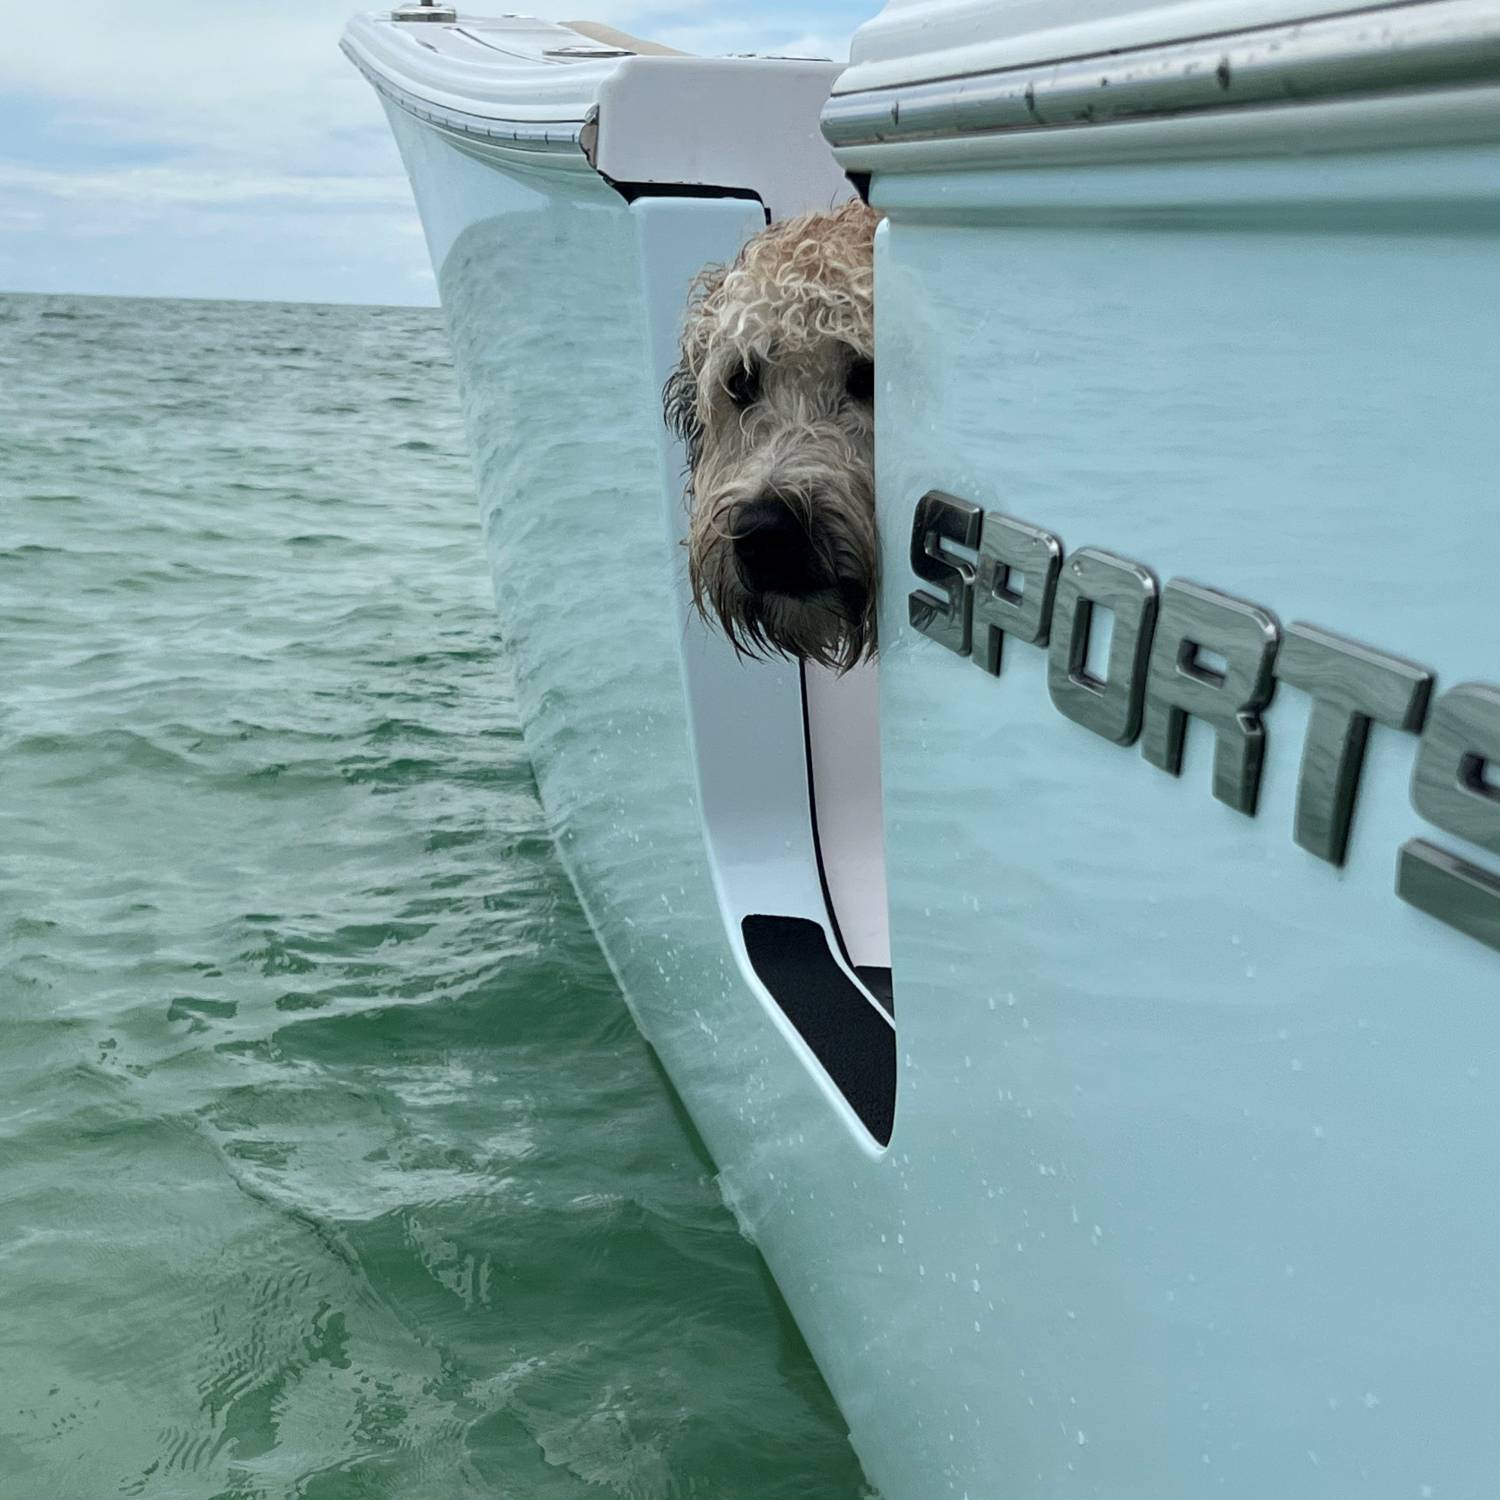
(225,148)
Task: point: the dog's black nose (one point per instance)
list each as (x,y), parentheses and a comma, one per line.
(772,549)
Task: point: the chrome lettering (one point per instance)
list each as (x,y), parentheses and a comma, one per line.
(1189,651)
(1195,620)
(1350,686)
(1452,787)
(1013,586)
(1091,580)
(947,620)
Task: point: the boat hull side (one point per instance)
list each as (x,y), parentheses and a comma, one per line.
(1230,1104)
(563,308)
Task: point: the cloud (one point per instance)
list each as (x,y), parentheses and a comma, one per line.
(163,129)
(178,185)
(17,220)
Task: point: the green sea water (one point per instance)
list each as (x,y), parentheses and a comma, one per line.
(330,1162)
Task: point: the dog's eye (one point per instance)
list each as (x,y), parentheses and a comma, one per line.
(860,382)
(744,386)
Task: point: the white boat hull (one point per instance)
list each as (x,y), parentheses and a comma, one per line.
(1188,1184)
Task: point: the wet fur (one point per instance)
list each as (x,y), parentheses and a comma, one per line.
(796,308)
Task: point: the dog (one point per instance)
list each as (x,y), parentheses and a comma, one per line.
(774,400)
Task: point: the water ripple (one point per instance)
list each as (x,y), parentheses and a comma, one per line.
(330,1164)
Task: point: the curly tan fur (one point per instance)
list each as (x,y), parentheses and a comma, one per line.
(774,398)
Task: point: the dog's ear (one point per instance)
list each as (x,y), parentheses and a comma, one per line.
(679,409)
(679,398)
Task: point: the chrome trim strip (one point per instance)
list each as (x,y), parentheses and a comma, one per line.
(1390,49)
(552,138)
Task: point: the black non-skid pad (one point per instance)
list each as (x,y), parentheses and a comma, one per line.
(851,1039)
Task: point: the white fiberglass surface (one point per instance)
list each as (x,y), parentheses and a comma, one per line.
(843,744)
(1222,1115)
(486,65)
(549,282)
(747,718)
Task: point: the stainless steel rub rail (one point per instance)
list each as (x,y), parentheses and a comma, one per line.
(564,138)
(1386,50)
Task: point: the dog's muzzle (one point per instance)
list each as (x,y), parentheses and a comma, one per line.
(773,552)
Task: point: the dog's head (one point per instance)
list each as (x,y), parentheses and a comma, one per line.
(775,401)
